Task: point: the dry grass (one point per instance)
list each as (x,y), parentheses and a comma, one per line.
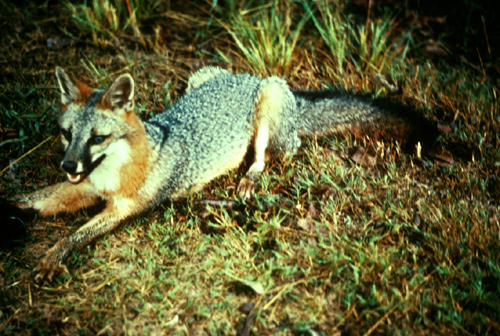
(327,247)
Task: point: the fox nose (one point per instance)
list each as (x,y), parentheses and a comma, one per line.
(70,166)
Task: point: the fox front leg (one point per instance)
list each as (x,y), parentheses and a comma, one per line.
(57,198)
(62,197)
(52,263)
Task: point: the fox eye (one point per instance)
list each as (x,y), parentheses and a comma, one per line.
(98,139)
(66,134)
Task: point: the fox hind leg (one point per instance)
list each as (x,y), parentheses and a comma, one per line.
(246,187)
(274,130)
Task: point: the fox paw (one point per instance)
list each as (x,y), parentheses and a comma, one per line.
(47,270)
(246,188)
(51,264)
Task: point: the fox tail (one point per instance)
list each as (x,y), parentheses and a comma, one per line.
(327,112)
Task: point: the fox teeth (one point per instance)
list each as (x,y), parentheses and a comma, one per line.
(74,178)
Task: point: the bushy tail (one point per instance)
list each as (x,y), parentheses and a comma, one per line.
(325,112)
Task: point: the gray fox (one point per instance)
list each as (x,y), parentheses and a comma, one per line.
(111,155)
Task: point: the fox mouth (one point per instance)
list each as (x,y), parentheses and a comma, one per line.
(75,178)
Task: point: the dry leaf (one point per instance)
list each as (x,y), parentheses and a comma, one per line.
(446,129)
(364,159)
(306,224)
(313,212)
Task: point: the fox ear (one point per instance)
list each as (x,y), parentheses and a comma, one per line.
(69,91)
(120,96)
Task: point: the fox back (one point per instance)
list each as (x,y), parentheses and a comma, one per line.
(204,134)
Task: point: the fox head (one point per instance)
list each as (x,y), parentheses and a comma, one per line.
(96,127)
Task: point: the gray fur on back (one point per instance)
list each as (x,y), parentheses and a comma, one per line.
(202,130)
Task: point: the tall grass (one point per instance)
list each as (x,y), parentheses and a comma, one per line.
(266,36)
(106,20)
(368,48)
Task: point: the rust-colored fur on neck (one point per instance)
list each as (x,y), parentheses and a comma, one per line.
(134,173)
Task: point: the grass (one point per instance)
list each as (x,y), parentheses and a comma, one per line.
(105,20)
(371,48)
(266,37)
(326,247)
